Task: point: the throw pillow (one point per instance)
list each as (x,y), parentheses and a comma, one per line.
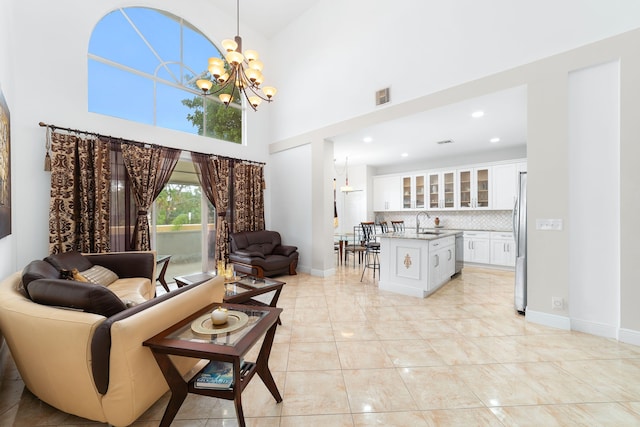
(78,296)
(100,275)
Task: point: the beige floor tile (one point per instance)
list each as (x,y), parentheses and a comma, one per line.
(462,417)
(459,351)
(338,420)
(353,331)
(363,355)
(312,333)
(413,419)
(438,388)
(313,357)
(315,393)
(408,353)
(377,390)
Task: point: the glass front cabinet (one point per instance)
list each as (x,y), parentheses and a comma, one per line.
(474,188)
(413,192)
(442,190)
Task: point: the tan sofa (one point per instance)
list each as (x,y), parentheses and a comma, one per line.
(91,365)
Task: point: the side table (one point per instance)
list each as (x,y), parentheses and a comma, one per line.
(244,289)
(182,339)
(164,261)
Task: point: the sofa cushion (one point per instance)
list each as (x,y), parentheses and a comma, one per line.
(38,270)
(100,275)
(75,295)
(69,261)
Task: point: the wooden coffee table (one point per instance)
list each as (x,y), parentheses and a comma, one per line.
(181,340)
(245,288)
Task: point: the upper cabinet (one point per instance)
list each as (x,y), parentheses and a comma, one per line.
(504,180)
(474,188)
(442,190)
(386,193)
(488,186)
(413,192)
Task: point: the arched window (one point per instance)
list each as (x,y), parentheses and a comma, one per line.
(143,64)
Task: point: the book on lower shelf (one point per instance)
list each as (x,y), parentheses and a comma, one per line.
(218,375)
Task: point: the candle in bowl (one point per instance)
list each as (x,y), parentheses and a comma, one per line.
(219,316)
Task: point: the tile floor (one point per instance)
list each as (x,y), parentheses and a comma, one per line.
(348,354)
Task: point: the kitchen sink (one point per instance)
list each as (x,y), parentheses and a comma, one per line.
(429,232)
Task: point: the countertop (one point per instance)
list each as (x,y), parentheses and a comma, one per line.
(426,234)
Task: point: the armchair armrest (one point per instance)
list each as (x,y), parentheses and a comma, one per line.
(249,254)
(285,250)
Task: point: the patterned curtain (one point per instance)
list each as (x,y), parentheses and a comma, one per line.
(213,173)
(79,205)
(149,169)
(248,197)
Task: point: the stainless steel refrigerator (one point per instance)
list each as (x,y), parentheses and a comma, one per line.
(520,235)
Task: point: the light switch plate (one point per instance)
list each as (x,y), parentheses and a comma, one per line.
(549,224)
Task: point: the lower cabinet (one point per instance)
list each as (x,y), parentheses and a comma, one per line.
(442,261)
(503,249)
(477,247)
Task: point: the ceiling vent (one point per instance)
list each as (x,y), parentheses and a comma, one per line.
(382,96)
(445,141)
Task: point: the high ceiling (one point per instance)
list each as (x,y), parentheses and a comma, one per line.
(266,17)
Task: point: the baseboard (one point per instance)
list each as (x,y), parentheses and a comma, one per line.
(594,328)
(323,273)
(546,319)
(629,336)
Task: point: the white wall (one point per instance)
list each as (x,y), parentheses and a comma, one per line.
(292,200)
(594,191)
(339,53)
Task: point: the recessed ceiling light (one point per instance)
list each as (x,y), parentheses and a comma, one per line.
(494,140)
(404,155)
(367,139)
(477,114)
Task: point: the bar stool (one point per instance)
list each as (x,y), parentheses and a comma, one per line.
(398,226)
(372,249)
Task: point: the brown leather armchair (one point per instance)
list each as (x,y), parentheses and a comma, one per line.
(261,253)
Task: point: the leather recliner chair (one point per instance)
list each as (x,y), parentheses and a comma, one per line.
(261,253)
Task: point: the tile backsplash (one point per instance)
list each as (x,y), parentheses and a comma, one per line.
(462,220)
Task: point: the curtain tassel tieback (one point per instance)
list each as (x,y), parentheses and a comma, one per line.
(142,212)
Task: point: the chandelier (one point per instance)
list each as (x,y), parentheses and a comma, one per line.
(240,76)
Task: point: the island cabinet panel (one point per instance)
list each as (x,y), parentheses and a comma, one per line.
(416,264)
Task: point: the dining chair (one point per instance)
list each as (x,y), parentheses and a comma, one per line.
(356,246)
(398,226)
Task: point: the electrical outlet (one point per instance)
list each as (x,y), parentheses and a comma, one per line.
(549,224)
(557,303)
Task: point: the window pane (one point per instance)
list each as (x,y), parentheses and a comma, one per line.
(160,30)
(172,113)
(115,39)
(118,93)
(197,51)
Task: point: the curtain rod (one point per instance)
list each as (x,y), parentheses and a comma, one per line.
(130,141)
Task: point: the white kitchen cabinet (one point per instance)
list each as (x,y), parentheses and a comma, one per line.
(442,190)
(387,193)
(504,184)
(474,186)
(413,192)
(442,261)
(503,249)
(477,247)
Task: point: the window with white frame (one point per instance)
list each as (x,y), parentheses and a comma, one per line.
(142,66)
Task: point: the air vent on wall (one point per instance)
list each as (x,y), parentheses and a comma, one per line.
(382,96)
(445,141)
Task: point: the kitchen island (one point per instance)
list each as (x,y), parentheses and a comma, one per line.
(417,264)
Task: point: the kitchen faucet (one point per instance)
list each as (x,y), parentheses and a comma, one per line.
(418,220)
